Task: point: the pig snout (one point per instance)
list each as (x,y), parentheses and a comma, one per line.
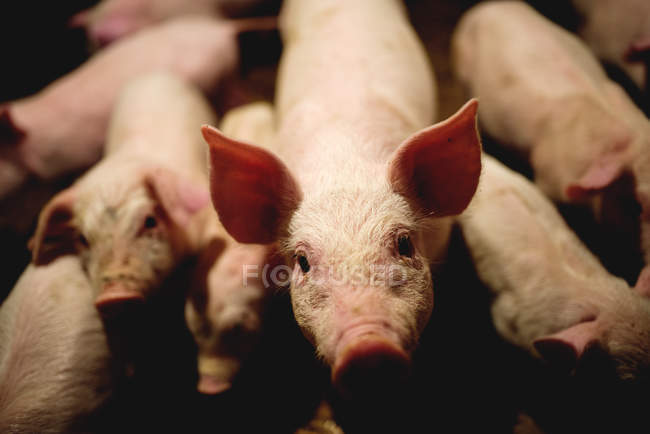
(216,373)
(369,356)
(116,297)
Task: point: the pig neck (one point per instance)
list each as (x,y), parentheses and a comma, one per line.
(51,121)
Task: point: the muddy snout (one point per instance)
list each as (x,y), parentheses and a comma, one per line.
(370,360)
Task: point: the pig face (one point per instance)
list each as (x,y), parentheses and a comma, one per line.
(360,245)
(129,235)
(612,338)
(226,330)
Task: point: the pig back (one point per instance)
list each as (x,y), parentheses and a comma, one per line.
(54,356)
(354,66)
(159,116)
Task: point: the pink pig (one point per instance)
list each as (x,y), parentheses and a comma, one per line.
(360,194)
(618,32)
(225,308)
(551,295)
(545,95)
(62,128)
(55,362)
(135,215)
(112,19)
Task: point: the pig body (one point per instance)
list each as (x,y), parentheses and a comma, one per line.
(62,128)
(112,19)
(225,307)
(546,96)
(55,363)
(134,216)
(551,295)
(352,209)
(618,32)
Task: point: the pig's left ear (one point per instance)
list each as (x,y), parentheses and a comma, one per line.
(643,282)
(179,197)
(252,190)
(10,133)
(438,168)
(564,349)
(56,233)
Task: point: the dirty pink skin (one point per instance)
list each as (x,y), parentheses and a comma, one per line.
(110,20)
(62,128)
(55,363)
(618,32)
(135,215)
(551,295)
(225,306)
(544,94)
(359,189)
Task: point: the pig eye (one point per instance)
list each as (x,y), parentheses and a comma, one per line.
(303,262)
(404,246)
(150,222)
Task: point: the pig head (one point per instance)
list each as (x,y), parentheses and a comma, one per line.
(360,246)
(130,234)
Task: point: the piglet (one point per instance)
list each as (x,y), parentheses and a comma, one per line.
(618,32)
(112,19)
(552,297)
(62,128)
(225,307)
(545,95)
(135,215)
(56,369)
(360,193)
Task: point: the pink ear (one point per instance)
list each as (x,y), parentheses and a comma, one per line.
(252,190)
(179,197)
(80,19)
(438,168)
(643,282)
(563,349)
(10,134)
(599,176)
(55,234)
(639,50)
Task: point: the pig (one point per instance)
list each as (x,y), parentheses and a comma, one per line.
(56,367)
(62,128)
(137,214)
(552,296)
(546,96)
(359,191)
(110,20)
(225,307)
(618,32)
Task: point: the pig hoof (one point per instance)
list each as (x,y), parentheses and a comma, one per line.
(370,365)
(112,303)
(209,385)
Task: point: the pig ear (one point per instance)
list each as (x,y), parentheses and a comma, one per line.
(438,168)
(564,349)
(599,176)
(80,19)
(179,197)
(252,190)
(55,234)
(639,50)
(10,134)
(643,282)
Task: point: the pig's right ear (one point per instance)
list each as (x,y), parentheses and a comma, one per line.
(10,133)
(252,190)
(602,173)
(438,168)
(564,349)
(55,234)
